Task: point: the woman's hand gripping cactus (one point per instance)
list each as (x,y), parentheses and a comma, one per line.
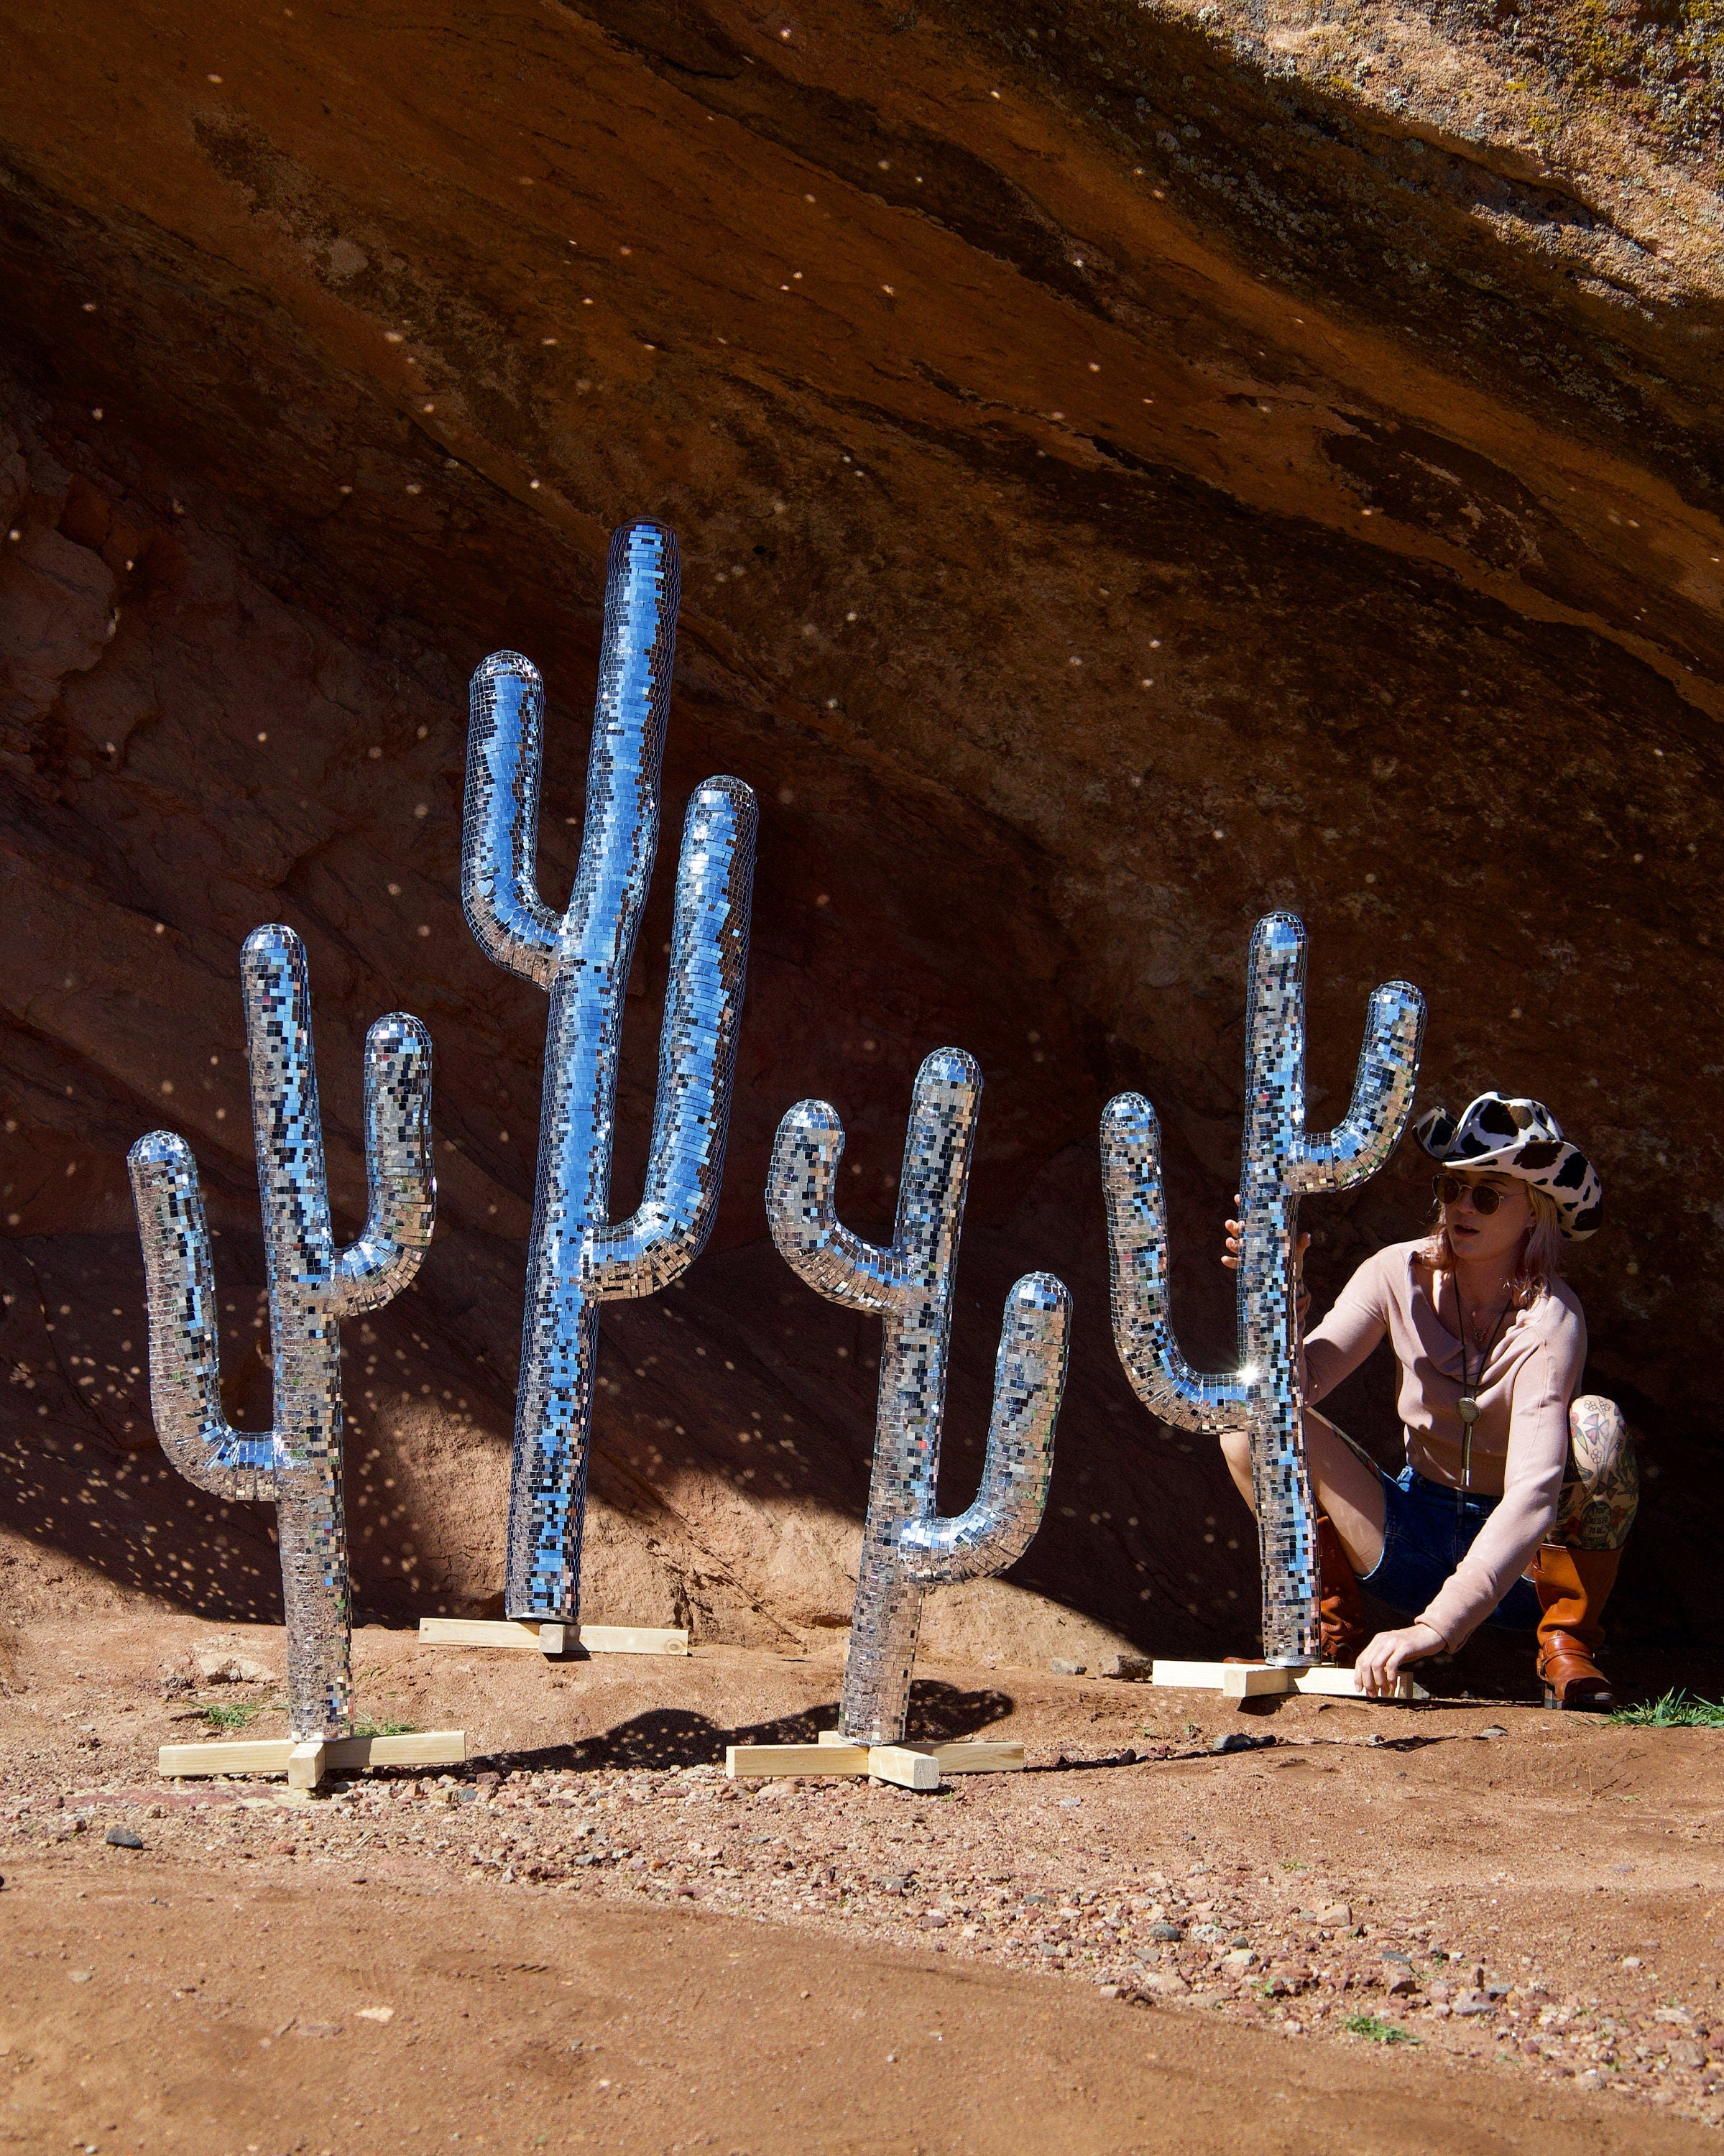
(1280,1163)
(577,1259)
(297,1464)
(905,1549)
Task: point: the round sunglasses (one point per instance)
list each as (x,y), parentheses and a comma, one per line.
(1485,1196)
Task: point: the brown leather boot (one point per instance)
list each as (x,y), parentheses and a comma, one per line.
(1341,1630)
(1574,1586)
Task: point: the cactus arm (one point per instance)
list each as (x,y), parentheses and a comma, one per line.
(286,1124)
(697,1052)
(506,743)
(620,835)
(1029,1381)
(1137,1256)
(934,1180)
(1382,1097)
(802,1215)
(399,1177)
(574,1252)
(185,1364)
(618,840)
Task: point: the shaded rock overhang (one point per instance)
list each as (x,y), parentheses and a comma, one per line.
(1135,468)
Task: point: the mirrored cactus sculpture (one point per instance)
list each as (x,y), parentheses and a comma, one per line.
(297,1464)
(578,1257)
(1280,1161)
(906,1549)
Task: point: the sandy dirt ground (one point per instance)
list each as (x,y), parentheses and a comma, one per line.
(589,1938)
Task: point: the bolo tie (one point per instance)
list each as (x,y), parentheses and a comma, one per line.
(1468,1406)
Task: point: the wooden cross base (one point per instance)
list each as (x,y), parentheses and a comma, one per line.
(1259,1680)
(550,1639)
(910,1766)
(305,1764)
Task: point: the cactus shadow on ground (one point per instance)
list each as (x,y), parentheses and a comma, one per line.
(678,1737)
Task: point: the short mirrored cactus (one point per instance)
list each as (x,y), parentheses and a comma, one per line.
(907,1549)
(1280,1161)
(297,1464)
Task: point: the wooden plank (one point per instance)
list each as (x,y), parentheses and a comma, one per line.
(1232,1680)
(418,1748)
(549,1637)
(633,1640)
(960,1755)
(479,1632)
(765,1760)
(1344,1683)
(977,1755)
(260,1755)
(342,1755)
(907,1765)
(910,1766)
(305,1764)
(1254,1681)
(1189,1676)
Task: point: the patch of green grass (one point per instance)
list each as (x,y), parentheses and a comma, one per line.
(1377,2031)
(1676,1710)
(229,1717)
(367,1728)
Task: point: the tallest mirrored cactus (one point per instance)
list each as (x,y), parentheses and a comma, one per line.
(578,1257)
(1280,1161)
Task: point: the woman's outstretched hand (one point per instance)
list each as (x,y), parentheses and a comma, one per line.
(1231,1260)
(1389,1654)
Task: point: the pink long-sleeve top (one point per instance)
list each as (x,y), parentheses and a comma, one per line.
(1519,1447)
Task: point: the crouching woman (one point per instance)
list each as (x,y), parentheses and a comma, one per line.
(1516,1496)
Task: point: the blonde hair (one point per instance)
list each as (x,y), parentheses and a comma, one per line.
(1541,1255)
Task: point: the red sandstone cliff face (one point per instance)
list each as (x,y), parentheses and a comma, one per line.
(1129,477)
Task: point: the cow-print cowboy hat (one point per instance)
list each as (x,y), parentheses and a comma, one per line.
(1520,1138)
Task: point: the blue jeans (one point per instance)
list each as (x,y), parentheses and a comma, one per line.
(1426,1529)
